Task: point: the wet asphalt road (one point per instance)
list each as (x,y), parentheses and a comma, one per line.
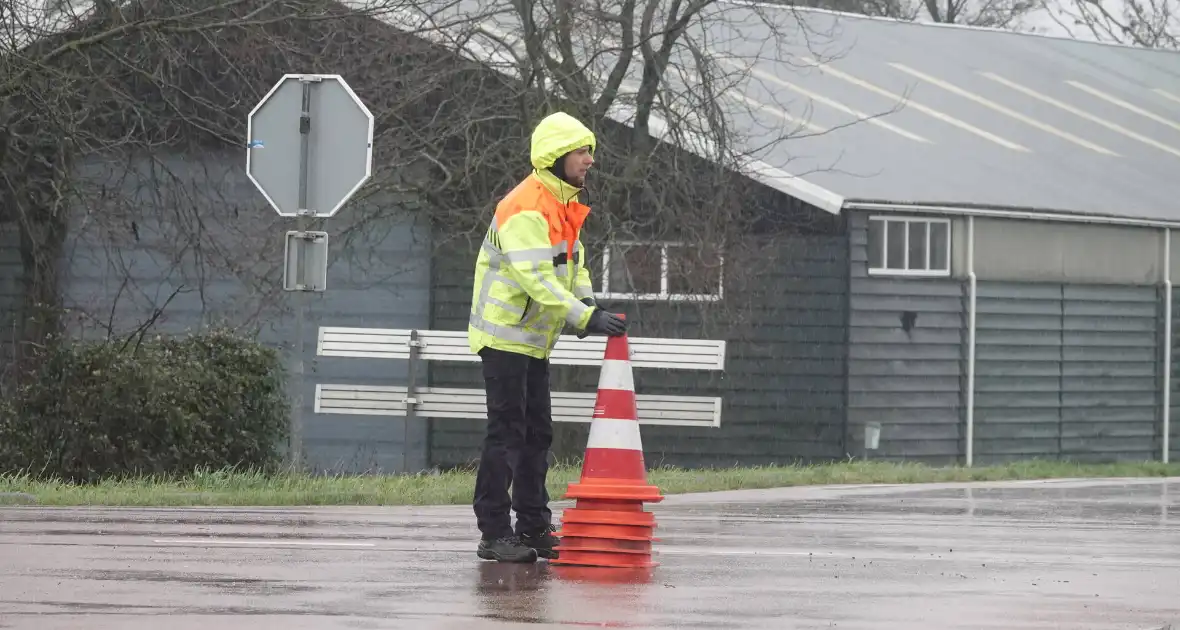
(1057,554)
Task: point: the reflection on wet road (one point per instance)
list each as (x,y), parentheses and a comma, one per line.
(1061,554)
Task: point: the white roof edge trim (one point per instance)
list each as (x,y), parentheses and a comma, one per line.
(795,186)
(965,27)
(1011,213)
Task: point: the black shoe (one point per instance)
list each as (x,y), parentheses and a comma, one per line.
(544,542)
(506,549)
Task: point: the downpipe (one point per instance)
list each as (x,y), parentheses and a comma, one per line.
(1167,366)
(972,293)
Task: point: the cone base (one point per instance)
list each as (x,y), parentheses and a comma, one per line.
(614,489)
(604,575)
(609,560)
(562,536)
(592,516)
(591,532)
(605,545)
(572,528)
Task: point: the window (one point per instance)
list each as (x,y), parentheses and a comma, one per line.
(909,246)
(660,271)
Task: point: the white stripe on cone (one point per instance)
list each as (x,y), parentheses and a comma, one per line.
(615,433)
(616,375)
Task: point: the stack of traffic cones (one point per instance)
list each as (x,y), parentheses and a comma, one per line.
(608,527)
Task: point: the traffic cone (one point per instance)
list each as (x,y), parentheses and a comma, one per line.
(608,526)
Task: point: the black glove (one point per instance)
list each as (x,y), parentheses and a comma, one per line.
(588,301)
(606,323)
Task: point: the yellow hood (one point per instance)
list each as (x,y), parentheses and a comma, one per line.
(556,135)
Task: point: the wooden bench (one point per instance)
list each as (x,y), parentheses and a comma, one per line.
(449,402)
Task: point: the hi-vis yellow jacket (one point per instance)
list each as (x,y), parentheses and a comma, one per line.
(530,275)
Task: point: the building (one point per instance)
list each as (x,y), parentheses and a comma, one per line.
(1002,268)
(987,275)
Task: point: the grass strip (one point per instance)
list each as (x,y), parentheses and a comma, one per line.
(246,488)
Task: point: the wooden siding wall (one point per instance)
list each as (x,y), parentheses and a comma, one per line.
(1174,455)
(453,441)
(378,276)
(782,389)
(908,381)
(1067,372)
(1063,370)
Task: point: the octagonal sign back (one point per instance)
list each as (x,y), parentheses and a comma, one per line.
(339,144)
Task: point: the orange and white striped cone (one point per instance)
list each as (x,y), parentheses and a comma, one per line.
(608,526)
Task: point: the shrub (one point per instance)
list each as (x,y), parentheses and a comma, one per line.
(90,411)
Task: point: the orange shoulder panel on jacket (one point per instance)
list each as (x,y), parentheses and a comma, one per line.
(531,194)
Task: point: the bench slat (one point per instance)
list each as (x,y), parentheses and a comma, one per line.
(450,402)
(450,345)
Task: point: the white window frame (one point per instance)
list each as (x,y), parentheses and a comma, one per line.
(927,272)
(606,294)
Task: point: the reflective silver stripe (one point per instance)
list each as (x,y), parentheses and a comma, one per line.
(544,322)
(545,283)
(477,309)
(536,255)
(583,292)
(492,276)
(495,274)
(503,279)
(491,249)
(561,271)
(511,334)
(577,309)
(494,260)
(515,310)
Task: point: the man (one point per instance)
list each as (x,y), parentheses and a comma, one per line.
(531,280)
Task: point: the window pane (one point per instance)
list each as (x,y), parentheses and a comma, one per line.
(917,245)
(940,247)
(694,270)
(895,244)
(876,244)
(635,269)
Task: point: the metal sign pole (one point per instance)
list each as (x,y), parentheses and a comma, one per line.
(326,176)
(301,297)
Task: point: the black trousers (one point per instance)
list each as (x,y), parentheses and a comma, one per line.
(516,446)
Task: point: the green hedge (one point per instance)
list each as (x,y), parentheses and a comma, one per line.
(159,407)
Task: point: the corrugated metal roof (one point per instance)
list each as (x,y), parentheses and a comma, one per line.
(992,118)
(961,116)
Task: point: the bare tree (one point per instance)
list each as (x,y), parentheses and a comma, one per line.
(1007,14)
(667,84)
(1145,23)
(120,121)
